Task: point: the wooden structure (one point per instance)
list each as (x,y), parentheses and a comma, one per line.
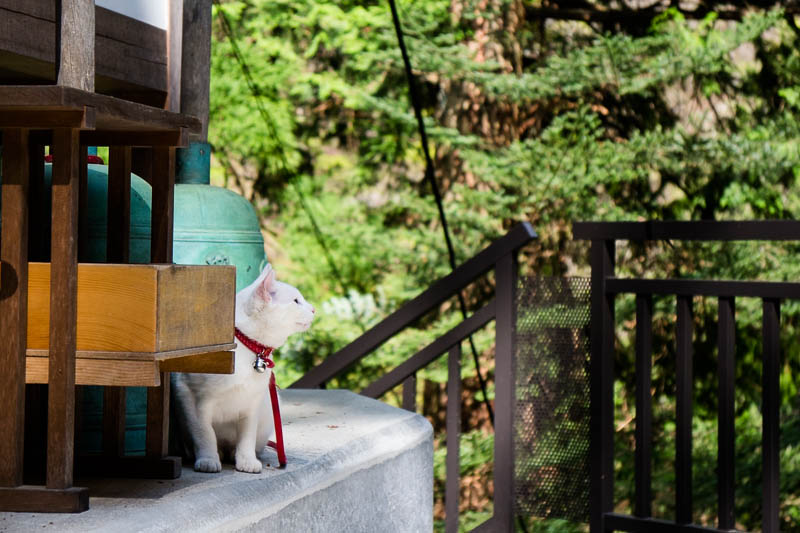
(98,324)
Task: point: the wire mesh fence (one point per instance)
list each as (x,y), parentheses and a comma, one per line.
(551,422)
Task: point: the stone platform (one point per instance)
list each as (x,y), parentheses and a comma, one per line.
(354,465)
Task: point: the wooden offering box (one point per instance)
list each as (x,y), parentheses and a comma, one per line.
(134,319)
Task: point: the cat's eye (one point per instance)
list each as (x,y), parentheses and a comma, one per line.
(297,301)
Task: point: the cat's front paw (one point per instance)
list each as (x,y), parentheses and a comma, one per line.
(207,464)
(249,464)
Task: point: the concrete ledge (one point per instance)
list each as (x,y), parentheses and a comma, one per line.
(354,465)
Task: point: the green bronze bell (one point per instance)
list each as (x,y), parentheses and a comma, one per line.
(213,226)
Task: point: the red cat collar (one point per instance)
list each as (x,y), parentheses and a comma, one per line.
(263,353)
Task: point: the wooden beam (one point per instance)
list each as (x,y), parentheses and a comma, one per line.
(108,372)
(13,303)
(63,309)
(209,363)
(75,42)
(174,137)
(35,118)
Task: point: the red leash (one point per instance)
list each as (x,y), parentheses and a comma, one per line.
(263,354)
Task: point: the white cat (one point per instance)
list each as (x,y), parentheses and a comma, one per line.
(232,413)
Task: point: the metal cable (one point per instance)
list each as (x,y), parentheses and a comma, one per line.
(429,175)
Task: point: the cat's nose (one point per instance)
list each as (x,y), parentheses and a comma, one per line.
(313,310)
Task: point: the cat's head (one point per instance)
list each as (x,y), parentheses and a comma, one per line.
(269,310)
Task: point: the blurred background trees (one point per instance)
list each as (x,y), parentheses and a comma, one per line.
(549,112)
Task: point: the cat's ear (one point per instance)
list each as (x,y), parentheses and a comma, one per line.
(266,285)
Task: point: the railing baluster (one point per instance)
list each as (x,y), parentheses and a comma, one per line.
(726,342)
(410,393)
(452,484)
(644,403)
(601,449)
(770,438)
(505,328)
(683,413)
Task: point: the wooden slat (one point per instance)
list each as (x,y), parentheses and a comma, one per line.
(83,204)
(34,118)
(209,363)
(13,303)
(100,372)
(111,113)
(38,236)
(113,421)
(683,416)
(453,475)
(144,356)
(173,137)
(31,499)
(644,405)
(75,42)
(129,54)
(196,49)
(163,204)
(726,368)
(119,204)
(157,432)
(63,309)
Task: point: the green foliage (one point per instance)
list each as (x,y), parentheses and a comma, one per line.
(548,123)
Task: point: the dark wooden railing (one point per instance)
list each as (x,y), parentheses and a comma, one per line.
(501,256)
(605,287)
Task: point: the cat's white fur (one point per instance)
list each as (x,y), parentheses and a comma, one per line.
(232,413)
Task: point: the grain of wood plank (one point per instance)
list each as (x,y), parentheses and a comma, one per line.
(13,303)
(63,309)
(190,318)
(140,308)
(75,41)
(100,372)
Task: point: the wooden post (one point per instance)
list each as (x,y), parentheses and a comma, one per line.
(196,63)
(13,304)
(63,309)
(175,53)
(160,252)
(75,44)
